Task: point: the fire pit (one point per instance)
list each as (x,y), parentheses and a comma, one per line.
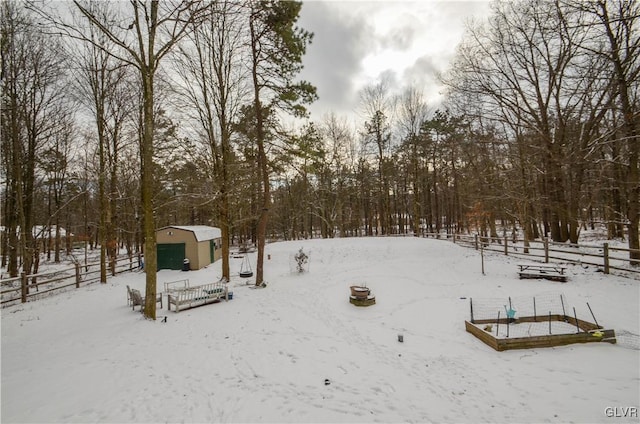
(361,296)
(360,292)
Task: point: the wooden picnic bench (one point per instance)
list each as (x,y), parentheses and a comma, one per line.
(547,271)
(190,297)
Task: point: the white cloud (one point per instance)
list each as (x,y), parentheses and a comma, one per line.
(356,42)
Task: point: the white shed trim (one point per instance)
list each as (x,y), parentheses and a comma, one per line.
(201,232)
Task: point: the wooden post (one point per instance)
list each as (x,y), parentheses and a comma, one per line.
(546,250)
(605,254)
(77,276)
(482,257)
(113,264)
(506,249)
(25,288)
(476,241)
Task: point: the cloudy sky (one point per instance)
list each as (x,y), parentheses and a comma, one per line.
(357,42)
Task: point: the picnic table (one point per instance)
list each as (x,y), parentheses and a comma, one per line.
(553,272)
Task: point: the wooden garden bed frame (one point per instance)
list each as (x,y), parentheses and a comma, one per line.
(589,333)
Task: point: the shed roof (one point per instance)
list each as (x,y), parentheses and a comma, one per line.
(201,232)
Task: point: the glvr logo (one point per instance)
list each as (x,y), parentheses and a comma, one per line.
(621,411)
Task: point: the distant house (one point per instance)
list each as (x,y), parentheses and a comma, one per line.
(42,231)
(200,244)
(42,234)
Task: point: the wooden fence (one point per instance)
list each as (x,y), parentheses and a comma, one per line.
(34,286)
(605,256)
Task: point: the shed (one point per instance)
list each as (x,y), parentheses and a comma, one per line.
(200,244)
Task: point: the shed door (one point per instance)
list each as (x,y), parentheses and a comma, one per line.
(170,256)
(212,250)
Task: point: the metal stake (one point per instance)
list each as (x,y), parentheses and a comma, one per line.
(594,317)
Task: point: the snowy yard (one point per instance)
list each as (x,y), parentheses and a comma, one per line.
(85,356)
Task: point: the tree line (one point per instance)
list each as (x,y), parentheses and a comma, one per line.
(120,118)
(538,133)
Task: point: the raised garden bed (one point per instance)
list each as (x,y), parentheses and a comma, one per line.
(529,332)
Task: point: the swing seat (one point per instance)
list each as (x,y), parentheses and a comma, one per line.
(245,268)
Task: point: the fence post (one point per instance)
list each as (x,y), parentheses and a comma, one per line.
(506,249)
(476,241)
(25,288)
(605,254)
(546,250)
(77,276)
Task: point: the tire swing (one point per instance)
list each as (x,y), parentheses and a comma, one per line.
(245,268)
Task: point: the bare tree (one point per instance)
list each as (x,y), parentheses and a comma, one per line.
(619,21)
(156,29)
(32,94)
(214,82)
(412,112)
(99,82)
(528,70)
(339,144)
(55,160)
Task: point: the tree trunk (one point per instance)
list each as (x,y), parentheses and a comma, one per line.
(149,228)
(102,197)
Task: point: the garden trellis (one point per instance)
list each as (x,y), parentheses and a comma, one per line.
(542,320)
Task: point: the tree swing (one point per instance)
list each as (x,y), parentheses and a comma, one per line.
(245,268)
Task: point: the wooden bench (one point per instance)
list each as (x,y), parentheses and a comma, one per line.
(190,297)
(549,272)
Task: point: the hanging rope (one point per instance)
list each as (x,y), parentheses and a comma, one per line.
(245,268)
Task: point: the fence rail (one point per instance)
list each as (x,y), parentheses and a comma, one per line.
(34,286)
(607,257)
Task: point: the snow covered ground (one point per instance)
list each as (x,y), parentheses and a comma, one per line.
(266,356)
